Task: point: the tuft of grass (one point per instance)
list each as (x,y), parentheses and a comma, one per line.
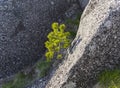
(7,85)
(110,78)
(21,79)
(43,67)
(19,82)
(72,34)
(74,21)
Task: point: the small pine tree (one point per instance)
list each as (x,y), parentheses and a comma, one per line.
(57,39)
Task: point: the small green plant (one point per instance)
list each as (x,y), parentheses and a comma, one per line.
(58,39)
(7,85)
(44,67)
(110,79)
(74,21)
(72,34)
(19,81)
(73,24)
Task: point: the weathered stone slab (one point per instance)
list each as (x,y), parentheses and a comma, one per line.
(95,48)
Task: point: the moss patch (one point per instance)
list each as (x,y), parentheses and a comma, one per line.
(43,67)
(110,78)
(19,82)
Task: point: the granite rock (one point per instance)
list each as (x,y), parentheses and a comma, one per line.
(24,25)
(95,48)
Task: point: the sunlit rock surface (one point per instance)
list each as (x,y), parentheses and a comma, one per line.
(95,48)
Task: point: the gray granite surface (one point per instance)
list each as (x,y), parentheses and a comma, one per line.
(24,25)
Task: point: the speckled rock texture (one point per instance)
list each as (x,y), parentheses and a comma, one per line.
(24,25)
(95,48)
